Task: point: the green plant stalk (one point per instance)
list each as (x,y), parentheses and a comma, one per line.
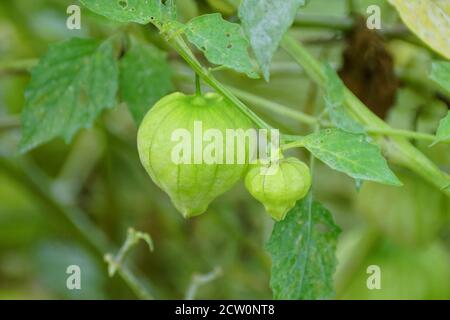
(273,106)
(310,120)
(133,238)
(397,149)
(199,280)
(185,52)
(402,133)
(325,22)
(9,123)
(17,65)
(198,85)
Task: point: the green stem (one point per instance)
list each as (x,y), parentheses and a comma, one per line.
(200,280)
(20,65)
(9,122)
(297,143)
(17,65)
(185,52)
(133,238)
(323,22)
(37,184)
(403,133)
(398,149)
(198,86)
(351,7)
(310,120)
(273,106)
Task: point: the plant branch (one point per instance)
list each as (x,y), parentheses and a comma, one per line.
(336,23)
(201,279)
(133,238)
(323,22)
(185,52)
(311,120)
(9,122)
(198,85)
(402,133)
(273,106)
(9,66)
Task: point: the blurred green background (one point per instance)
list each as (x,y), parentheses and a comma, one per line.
(65,204)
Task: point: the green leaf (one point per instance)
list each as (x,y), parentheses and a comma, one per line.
(73,82)
(443,132)
(139,11)
(303,248)
(222,42)
(170,10)
(144,78)
(265,23)
(352,154)
(334,100)
(429,20)
(440,73)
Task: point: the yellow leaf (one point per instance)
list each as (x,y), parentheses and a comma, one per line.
(429,20)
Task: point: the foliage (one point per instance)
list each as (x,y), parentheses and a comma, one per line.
(334,101)
(429,20)
(303,253)
(350,153)
(265,23)
(70,86)
(222,42)
(145,77)
(90,187)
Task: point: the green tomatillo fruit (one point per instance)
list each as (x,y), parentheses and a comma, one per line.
(189,148)
(278,186)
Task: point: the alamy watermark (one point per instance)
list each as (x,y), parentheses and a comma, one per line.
(374,19)
(230,146)
(73,22)
(73,281)
(374,280)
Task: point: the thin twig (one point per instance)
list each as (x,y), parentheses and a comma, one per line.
(199,280)
(133,238)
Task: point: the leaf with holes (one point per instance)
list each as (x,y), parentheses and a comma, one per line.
(429,20)
(303,248)
(69,87)
(265,23)
(334,100)
(352,154)
(144,78)
(222,42)
(139,11)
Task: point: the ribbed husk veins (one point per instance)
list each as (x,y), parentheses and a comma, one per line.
(280,191)
(191,186)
